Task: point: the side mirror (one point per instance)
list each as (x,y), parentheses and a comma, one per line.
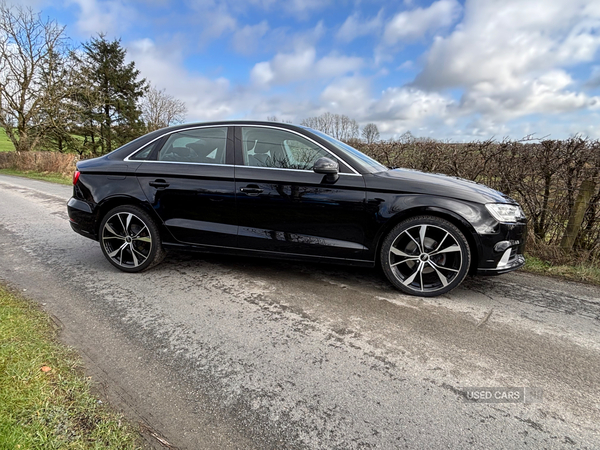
(327,167)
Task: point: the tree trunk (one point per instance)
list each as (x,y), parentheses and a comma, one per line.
(108,129)
(541,232)
(586,191)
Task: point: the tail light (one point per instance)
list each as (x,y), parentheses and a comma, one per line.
(76,177)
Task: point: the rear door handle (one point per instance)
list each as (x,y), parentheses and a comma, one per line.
(159,184)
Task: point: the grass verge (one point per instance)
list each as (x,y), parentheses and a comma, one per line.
(45,176)
(45,401)
(587,273)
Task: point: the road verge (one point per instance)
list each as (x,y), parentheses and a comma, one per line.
(45,398)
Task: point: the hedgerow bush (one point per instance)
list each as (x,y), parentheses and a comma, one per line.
(546,177)
(45,162)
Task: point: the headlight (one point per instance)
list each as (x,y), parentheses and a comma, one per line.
(504,212)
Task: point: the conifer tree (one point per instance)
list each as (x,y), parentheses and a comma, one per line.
(109,94)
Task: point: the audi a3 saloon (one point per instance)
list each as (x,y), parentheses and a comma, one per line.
(285,191)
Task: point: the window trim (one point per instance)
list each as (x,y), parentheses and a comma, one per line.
(291,170)
(229,147)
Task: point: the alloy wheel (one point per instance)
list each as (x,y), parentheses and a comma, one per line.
(127,240)
(425,256)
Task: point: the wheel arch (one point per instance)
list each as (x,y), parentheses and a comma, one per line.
(457,220)
(124,200)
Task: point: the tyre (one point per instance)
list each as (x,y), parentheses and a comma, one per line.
(425,256)
(130,240)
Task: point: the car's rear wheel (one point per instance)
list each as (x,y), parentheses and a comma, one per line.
(425,256)
(130,239)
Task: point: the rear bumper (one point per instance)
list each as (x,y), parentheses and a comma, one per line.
(81,218)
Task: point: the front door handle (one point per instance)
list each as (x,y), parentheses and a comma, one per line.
(251,190)
(159,184)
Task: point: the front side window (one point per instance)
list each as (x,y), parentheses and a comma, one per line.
(366,163)
(266,147)
(200,145)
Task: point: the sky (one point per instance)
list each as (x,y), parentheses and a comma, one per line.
(445,69)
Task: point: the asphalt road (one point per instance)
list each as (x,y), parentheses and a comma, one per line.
(222,352)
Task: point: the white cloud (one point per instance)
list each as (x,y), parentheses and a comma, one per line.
(511,58)
(355,27)
(594,80)
(246,40)
(95,17)
(544,95)
(334,65)
(289,6)
(510,67)
(309,37)
(215,23)
(417,23)
(349,95)
(504,44)
(35,4)
(205,98)
(411,108)
(285,40)
(301,65)
(298,8)
(398,109)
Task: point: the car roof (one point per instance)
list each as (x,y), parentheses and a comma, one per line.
(236,123)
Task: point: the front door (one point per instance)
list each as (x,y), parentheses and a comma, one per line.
(285,207)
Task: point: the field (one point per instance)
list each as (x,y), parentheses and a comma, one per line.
(5,144)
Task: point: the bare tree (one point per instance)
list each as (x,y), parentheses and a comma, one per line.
(59,112)
(276,119)
(310,122)
(370,133)
(345,128)
(339,126)
(407,138)
(32,75)
(160,109)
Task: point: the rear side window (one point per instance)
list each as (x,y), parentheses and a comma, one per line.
(144,154)
(200,145)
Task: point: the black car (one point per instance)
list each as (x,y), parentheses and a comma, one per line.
(280,190)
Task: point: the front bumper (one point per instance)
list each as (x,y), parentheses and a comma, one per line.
(515,263)
(503,251)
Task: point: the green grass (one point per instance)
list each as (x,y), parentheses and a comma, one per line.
(48,409)
(5,144)
(586,272)
(45,176)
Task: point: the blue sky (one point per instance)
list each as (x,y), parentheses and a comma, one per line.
(446,69)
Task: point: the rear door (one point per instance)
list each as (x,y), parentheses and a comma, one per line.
(283,206)
(189,181)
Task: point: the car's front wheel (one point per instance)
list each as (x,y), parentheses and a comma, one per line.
(425,256)
(130,239)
